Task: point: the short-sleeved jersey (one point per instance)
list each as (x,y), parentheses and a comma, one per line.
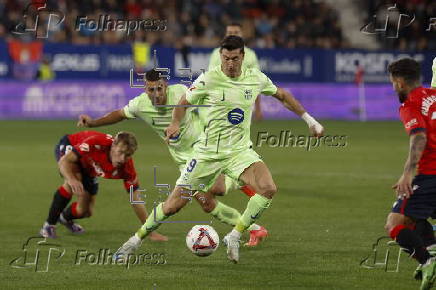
(93,149)
(418,114)
(158,118)
(433,80)
(227,119)
(250,59)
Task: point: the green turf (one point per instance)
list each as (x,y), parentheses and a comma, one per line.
(331,206)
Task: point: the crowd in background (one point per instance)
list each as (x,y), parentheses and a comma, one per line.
(265,23)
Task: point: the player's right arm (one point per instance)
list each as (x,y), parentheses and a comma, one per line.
(193,96)
(68,165)
(108,119)
(179,113)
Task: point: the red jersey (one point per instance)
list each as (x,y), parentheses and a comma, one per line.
(93,149)
(418,113)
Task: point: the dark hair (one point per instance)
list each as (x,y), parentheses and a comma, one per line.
(234,24)
(232,42)
(407,68)
(152,75)
(127,139)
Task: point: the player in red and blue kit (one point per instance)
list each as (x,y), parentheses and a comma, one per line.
(82,158)
(407,223)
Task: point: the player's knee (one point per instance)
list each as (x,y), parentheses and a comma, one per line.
(268,189)
(218,190)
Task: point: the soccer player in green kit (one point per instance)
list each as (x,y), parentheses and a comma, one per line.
(155,107)
(250,61)
(224,145)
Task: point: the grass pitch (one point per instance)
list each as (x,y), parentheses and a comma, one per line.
(330,208)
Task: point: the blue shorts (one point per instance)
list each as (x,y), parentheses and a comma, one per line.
(90,184)
(422,203)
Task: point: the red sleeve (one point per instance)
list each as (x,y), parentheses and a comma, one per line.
(412,118)
(129,176)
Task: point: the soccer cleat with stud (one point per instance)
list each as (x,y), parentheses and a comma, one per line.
(428,274)
(127,248)
(48,231)
(232,244)
(256,236)
(71,226)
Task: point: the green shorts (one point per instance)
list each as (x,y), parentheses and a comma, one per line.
(200,173)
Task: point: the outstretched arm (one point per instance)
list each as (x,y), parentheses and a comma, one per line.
(292,104)
(108,119)
(403,187)
(139,208)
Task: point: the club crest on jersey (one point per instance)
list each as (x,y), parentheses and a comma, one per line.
(84,147)
(248,93)
(235,116)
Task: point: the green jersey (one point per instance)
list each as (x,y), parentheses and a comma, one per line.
(158,118)
(433,80)
(250,59)
(227,119)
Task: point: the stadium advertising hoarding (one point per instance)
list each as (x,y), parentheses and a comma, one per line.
(66,100)
(286,65)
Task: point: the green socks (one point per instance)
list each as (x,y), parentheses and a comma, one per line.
(152,222)
(256,205)
(228,215)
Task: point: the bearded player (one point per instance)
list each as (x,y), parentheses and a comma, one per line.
(250,61)
(82,158)
(224,146)
(155,107)
(416,193)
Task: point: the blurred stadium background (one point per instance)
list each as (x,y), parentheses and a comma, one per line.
(309,46)
(332,54)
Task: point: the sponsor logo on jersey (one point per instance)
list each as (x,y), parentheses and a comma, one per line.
(235,116)
(411,123)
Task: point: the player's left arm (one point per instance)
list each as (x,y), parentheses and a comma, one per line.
(139,208)
(292,104)
(417,145)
